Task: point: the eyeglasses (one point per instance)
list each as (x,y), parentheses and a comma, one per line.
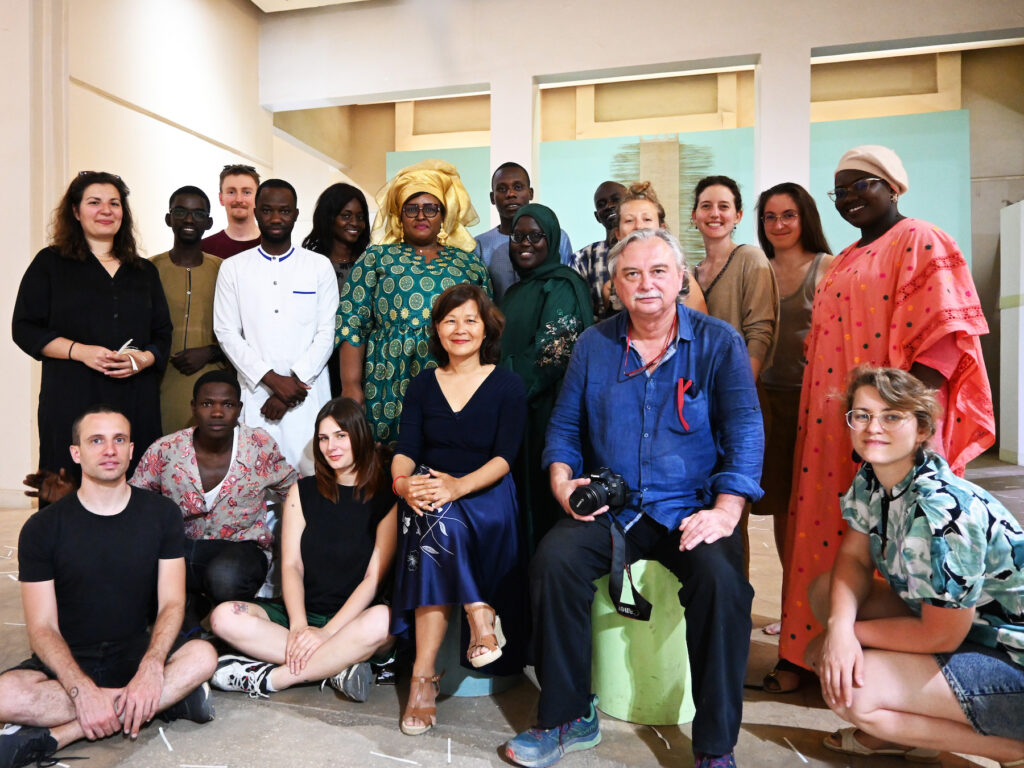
(890,421)
(858,187)
(359,217)
(429,210)
(534,236)
(198,215)
(787,218)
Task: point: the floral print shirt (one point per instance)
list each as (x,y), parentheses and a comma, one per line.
(941,540)
(239,511)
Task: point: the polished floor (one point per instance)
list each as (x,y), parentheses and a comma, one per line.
(310,727)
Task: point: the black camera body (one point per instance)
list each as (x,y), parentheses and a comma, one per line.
(605,488)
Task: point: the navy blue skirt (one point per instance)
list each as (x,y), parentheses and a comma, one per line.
(467,551)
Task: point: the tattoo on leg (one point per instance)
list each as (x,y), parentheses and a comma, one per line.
(73,693)
(239,608)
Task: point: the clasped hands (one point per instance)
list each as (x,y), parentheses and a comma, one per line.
(286,392)
(116,365)
(424,493)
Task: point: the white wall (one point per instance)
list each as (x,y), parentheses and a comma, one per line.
(352,53)
(161,93)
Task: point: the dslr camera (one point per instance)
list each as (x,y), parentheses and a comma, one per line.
(606,487)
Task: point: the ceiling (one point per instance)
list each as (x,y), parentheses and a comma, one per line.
(272,6)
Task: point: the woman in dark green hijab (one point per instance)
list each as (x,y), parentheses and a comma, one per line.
(545,312)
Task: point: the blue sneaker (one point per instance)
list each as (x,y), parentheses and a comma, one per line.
(540,747)
(704,760)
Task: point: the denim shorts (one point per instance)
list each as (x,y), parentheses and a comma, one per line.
(989,687)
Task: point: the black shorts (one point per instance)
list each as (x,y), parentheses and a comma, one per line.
(110,664)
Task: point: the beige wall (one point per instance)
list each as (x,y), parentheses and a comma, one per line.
(161,93)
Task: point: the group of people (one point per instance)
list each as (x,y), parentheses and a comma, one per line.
(508,412)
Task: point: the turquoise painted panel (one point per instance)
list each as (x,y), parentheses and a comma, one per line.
(474,168)
(570,171)
(935,148)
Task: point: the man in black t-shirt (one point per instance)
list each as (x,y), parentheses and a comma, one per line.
(90,567)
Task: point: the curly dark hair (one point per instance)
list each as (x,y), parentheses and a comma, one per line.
(494,321)
(68,237)
(328,206)
(812,236)
(371,461)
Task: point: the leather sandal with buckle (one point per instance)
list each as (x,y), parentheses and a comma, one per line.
(423,692)
(492,643)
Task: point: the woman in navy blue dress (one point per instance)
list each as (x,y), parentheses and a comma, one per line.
(459,537)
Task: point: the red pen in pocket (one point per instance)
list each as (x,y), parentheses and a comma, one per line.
(681,387)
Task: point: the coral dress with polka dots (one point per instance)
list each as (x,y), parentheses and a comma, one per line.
(908,297)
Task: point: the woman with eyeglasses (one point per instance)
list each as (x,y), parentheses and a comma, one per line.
(92,309)
(341,232)
(929,657)
(545,312)
(384,309)
(790,233)
(902,297)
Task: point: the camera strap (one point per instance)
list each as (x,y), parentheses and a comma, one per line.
(640,609)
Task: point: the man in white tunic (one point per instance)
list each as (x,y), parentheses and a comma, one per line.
(273,314)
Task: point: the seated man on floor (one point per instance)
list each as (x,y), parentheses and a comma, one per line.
(90,566)
(219,473)
(663,396)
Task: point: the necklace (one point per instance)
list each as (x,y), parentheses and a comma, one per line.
(668,340)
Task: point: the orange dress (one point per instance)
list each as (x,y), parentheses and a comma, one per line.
(905,298)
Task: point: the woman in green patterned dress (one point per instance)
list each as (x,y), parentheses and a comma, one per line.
(384,309)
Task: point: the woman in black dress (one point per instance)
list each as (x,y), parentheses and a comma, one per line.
(337,544)
(459,539)
(94,312)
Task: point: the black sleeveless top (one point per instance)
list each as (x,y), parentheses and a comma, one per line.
(337,542)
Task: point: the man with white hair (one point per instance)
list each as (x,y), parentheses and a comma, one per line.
(663,396)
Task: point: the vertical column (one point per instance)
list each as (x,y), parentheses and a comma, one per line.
(782,132)
(513,123)
(1011,336)
(32,153)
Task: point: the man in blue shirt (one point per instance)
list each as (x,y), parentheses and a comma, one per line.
(665,397)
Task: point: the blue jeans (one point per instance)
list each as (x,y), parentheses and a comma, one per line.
(989,687)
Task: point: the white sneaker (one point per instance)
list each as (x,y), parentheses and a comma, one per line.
(240,673)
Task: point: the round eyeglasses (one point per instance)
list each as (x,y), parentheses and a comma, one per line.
(859,420)
(858,187)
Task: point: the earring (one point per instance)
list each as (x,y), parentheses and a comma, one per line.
(894,197)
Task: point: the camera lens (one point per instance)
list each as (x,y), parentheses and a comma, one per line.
(585,499)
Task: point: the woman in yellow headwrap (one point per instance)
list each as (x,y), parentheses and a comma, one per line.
(384,309)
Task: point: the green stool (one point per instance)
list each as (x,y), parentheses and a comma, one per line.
(640,669)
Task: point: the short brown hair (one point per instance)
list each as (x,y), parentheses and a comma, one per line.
(900,391)
(236,169)
(76,425)
(494,321)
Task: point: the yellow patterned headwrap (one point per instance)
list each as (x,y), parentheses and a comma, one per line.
(438,178)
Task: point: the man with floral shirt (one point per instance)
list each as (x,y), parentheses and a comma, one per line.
(219,473)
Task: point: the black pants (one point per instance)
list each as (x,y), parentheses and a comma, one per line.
(218,571)
(715,594)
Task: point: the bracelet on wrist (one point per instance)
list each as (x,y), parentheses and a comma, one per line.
(394,483)
(70,348)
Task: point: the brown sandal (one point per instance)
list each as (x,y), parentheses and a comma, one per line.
(492,643)
(417,706)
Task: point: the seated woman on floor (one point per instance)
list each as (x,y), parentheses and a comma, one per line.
(931,656)
(338,537)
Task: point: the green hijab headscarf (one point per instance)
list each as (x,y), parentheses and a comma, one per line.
(523,301)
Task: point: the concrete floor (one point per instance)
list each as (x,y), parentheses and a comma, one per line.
(308,727)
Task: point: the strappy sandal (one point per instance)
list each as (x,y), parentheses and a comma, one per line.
(492,643)
(1014,764)
(416,707)
(786,677)
(847,743)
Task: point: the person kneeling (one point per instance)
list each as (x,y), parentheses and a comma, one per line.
(90,565)
(933,655)
(337,543)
